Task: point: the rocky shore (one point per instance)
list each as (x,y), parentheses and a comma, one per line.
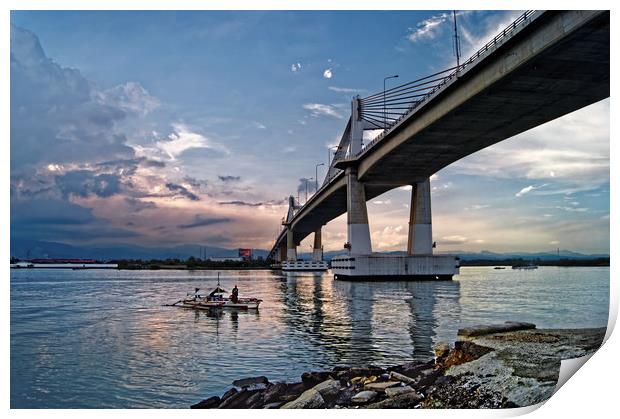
(491,366)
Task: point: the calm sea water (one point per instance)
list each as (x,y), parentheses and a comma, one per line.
(102,339)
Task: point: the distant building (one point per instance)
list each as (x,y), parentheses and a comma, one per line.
(226,259)
(246,254)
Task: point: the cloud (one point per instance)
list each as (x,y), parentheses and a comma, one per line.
(58,116)
(184,139)
(306,184)
(428,28)
(318,109)
(527,190)
(344,89)
(295,67)
(578,165)
(131,97)
(328,73)
(453,240)
(182,190)
(242,203)
(83,183)
(204,221)
(228,178)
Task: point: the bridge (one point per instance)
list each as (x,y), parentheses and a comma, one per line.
(544,65)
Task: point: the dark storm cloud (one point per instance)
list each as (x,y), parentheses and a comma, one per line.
(228,178)
(205,221)
(182,190)
(84,183)
(196,183)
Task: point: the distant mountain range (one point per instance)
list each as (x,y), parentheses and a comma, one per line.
(30,249)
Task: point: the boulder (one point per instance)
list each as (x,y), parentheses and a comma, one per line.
(401,401)
(255,401)
(345,395)
(366,371)
(328,389)
(364,397)
(253,382)
(209,403)
(395,376)
(396,391)
(238,401)
(229,393)
(380,387)
(309,399)
(310,379)
(464,351)
(274,392)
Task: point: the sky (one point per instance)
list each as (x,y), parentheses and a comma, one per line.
(169,128)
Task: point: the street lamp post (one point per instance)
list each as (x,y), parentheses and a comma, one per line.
(384,108)
(316,176)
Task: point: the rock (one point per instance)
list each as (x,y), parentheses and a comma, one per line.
(384,377)
(274,405)
(395,391)
(295,390)
(310,379)
(380,387)
(400,401)
(369,380)
(209,403)
(328,389)
(255,401)
(494,328)
(441,349)
(464,351)
(345,395)
(400,377)
(366,371)
(251,382)
(429,378)
(273,392)
(356,380)
(229,393)
(238,401)
(364,397)
(309,399)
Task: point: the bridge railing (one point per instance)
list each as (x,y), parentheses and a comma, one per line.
(386,109)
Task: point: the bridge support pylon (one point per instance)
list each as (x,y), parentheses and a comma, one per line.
(317,249)
(291,248)
(358,231)
(420,240)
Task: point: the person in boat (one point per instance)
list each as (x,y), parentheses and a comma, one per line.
(234,297)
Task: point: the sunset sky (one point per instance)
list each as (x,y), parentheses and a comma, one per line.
(169,128)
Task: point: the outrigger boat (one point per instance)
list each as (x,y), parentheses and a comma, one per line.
(216,299)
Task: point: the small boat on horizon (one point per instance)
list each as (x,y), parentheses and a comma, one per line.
(528,266)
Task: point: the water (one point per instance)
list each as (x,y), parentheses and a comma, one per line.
(102,338)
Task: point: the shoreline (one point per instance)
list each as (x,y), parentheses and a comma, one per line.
(489,366)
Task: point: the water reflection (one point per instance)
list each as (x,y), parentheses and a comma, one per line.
(368,322)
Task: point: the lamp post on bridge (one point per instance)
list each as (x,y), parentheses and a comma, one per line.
(316,176)
(395,76)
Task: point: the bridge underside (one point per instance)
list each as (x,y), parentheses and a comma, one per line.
(523,84)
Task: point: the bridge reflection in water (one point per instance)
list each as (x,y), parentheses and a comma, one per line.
(369,322)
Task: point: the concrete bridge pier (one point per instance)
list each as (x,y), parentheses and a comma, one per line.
(420,240)
(358,231)
(291,248)
(281,253)
(317,249)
